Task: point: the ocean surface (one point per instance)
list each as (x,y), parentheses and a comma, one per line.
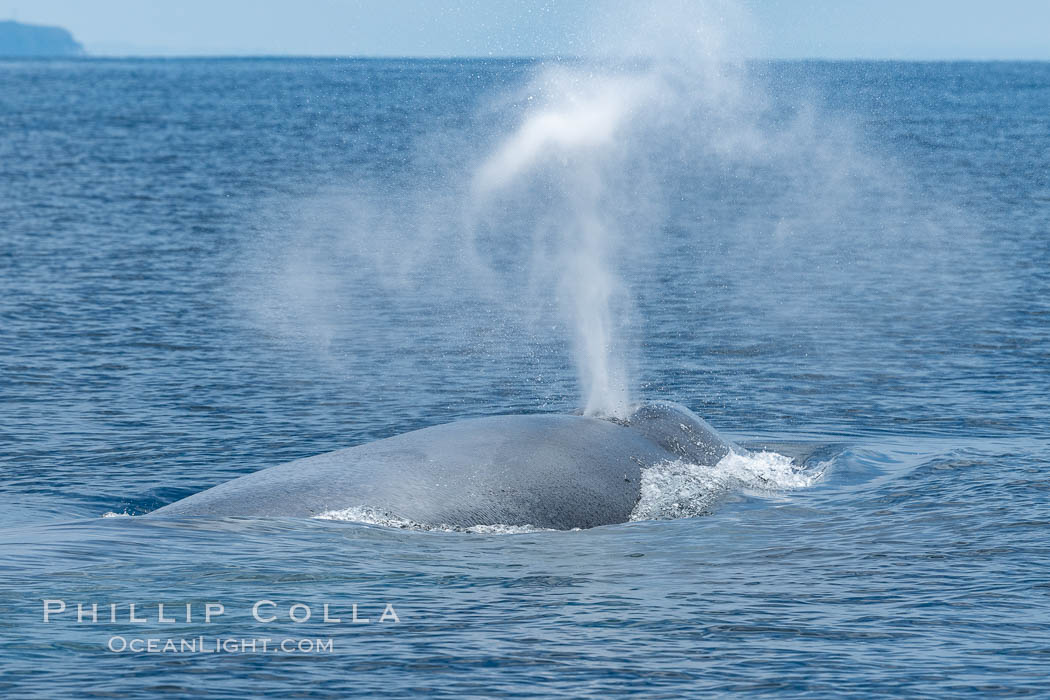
(208,267)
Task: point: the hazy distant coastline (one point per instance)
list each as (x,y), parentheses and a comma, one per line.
(17,39)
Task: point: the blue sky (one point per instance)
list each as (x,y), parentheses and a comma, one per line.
(899,29)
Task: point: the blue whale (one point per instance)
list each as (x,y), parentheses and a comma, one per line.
(549,471)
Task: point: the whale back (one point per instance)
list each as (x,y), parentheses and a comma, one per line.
(548,471)
(679,431)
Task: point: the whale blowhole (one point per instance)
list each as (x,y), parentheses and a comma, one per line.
(678,430)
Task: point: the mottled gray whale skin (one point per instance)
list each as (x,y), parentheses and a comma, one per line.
(550,471)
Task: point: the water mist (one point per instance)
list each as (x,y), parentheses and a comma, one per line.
(531,229)
(560,159)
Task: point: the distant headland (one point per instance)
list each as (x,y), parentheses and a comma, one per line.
(17,39)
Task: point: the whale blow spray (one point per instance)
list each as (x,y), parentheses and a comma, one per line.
(564,149)
(583,167)
(533,219)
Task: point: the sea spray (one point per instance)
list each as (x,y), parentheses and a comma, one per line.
(566,146)
(570,214)
(679,489)
(586,168)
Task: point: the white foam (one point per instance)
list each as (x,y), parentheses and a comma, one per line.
(374,516)
(679,489)
(113,514)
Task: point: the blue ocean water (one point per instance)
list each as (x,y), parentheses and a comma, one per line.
(188,293)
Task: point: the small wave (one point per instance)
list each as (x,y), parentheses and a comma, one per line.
(679,489)
(375,516)
(114,514)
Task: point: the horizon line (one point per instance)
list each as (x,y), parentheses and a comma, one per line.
(469,57)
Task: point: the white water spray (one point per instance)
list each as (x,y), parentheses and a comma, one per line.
(586,164)
(564,147)
(543,225)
